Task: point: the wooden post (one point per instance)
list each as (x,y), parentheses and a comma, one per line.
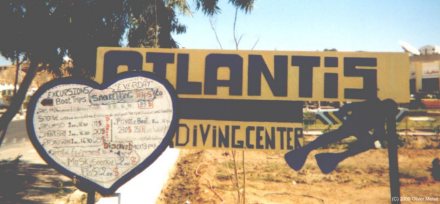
(406,127)
(393,159)
(437,131)
(91,197)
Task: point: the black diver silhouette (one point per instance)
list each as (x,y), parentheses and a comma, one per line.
(361,118)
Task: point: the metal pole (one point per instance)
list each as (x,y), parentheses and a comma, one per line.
(393,160)
(91,197)
(298,134)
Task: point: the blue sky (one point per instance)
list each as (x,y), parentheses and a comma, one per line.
(347,25)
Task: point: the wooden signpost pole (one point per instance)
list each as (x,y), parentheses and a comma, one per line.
(91,197)
(393,160)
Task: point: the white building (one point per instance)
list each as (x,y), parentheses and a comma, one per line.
(430,50)
(425,69)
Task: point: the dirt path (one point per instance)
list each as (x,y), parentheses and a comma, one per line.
(207,177)
(184,184)
(23,182)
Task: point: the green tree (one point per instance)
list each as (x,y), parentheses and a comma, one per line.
(44,31)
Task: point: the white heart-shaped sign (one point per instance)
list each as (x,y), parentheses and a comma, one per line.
(102,135)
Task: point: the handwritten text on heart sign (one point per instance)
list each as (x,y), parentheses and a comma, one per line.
(103,134)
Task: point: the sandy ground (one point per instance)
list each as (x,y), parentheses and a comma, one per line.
(208,177)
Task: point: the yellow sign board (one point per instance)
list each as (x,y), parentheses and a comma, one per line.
(266,75)
(221,89)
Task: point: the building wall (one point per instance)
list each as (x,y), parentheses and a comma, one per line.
(425,73)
